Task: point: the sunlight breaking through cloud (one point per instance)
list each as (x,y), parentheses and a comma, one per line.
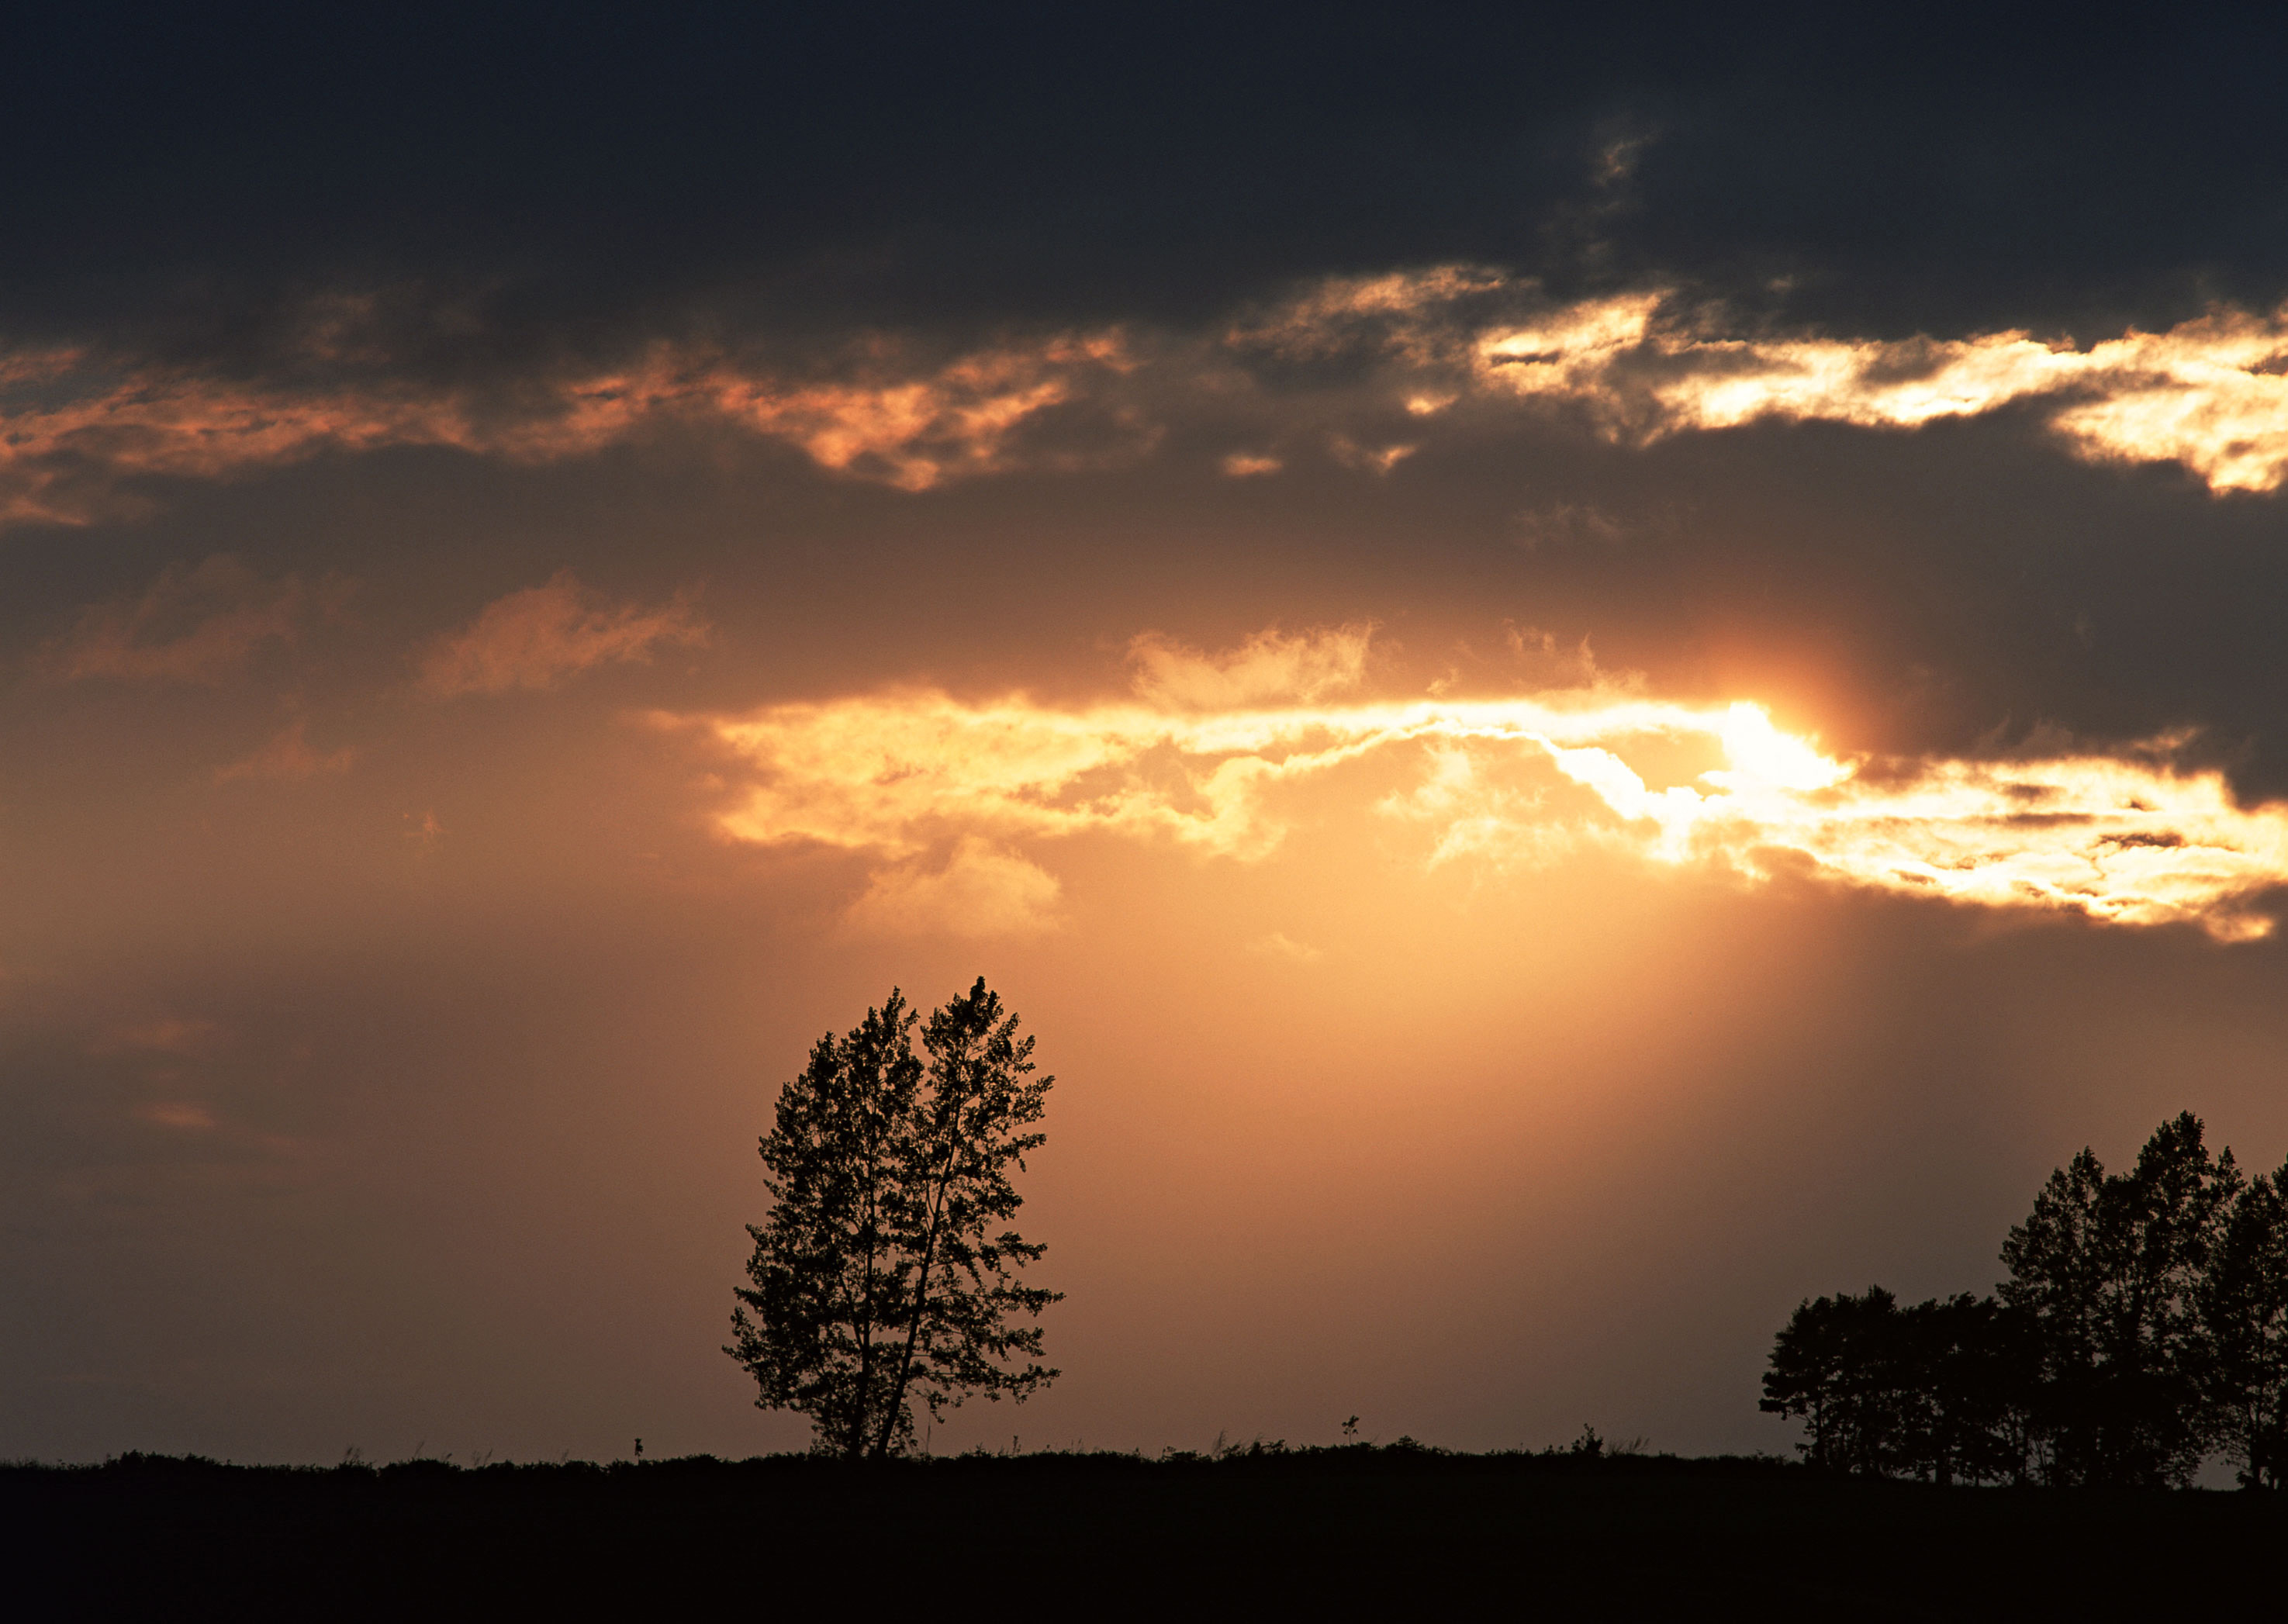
(2123,839)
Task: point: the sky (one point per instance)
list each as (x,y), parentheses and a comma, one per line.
(1586,675)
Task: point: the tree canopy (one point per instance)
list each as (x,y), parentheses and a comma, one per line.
(2142,1328)
(883,1272)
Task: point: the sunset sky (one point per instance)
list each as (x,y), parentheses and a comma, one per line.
(1587,673)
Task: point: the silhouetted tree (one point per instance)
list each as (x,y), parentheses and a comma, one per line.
(2105,1269)
(2144,1324)
(2243,1302)
(1935,1390)
(878,1273)
(1988,1381)
(1830,1366)
(1963,1370)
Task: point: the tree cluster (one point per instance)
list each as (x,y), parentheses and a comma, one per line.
(883,1271)
(2144,1328)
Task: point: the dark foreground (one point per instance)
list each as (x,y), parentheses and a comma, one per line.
(1337,1531)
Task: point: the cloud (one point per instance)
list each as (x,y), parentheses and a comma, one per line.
(287,758)
(167,1035)
(2211,393)
(1475,816)
(1270,665)
(1409,312)
(182,1114)
(1369,459)
(1567,523)
(915,433)
(2122,838)
(981,892)
(93,424)
(1279,946)
(534,639)
(84,433)
(199,625)
(78,429)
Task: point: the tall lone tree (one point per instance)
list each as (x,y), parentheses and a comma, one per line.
(883,1272)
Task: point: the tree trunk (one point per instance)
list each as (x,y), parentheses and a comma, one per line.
(891,1410)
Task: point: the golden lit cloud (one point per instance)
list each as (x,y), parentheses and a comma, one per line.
(1511,782)
(2211,393)
(1270,665)
(534,639)
(914,433)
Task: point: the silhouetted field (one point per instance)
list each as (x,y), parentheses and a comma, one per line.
(1345,1530)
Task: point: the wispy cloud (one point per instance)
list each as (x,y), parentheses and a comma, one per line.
(2121,837)
(186,1115)
(1280,946)
(199,625)
(1369,459)
(287,758)
(980,891)
(1270,665)
(1419,316)
(169,1034)
(77,430)
(1250,464)
(536,637)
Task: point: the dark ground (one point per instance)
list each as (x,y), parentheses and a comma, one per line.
(1351,1532)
